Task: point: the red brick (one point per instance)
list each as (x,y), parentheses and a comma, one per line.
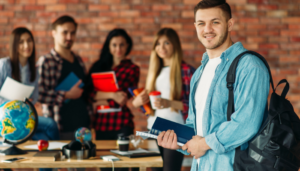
(249,20)
(187,14)
(25,1)
(143,20)
(147,39)
(45,14)
(268,46)
(141,7)
(110,1)
(190,2)
(295,52)
(258,1)
(150,14)
(269,33)
(107,27)
(77,7)
(3,20)
(291,20)
(83,20)
(122,20)
(289,7)
(162,7)
(132,13)
(98,7)
(102,20)
(256,39)
(290,33)
(68,1)
(294,26)
(46,2)
(119,7)
(1,7)
(295,39)
(96,45)
(288,59)
(256,27)
(267,7)
(108,14)
(278,39)
(251,46)
(56,8)
(290,46)
(278,13)
(270,20)
(13,7)
(174,26)
(7,2)
(34,7)
(6,13)
(247,7)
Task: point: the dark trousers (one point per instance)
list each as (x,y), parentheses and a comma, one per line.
(172,160)
(113,135)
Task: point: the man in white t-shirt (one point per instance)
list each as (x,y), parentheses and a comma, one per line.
(216,139)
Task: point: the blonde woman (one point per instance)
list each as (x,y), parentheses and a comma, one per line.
(170,75)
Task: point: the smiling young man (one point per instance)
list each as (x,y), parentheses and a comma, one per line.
(216,139)
(68,108)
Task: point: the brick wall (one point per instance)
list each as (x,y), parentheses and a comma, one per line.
(271,27)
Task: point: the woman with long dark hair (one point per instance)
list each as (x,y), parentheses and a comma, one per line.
(114,57)
(20,66)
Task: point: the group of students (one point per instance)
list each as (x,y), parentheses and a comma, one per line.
(168,73)
(198,98)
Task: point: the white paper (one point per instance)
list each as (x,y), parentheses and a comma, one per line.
(52,146)
(139,150)
(13,90)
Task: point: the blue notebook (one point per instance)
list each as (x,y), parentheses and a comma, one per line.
(68,83)
(184,133)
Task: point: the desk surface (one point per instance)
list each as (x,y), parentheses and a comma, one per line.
(103,148)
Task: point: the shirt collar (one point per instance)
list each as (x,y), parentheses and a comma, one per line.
(57,56)
(236,48)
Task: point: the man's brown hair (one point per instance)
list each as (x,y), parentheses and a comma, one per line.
(62,20)
(222,4)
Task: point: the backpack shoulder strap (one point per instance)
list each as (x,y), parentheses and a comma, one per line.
(230,79)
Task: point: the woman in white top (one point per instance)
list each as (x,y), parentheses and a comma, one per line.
(171,76)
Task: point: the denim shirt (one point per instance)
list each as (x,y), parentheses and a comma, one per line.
(251,89)
(6,70)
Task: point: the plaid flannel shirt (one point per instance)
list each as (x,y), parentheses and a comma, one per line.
(187,72)
(50,67)
(127,75)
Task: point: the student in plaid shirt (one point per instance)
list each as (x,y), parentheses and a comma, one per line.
(68,108)
(113,57)
(171,76)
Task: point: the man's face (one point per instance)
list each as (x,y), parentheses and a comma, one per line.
(212,27)
(64,35)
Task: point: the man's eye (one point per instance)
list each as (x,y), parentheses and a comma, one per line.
(216,22)
(200,24)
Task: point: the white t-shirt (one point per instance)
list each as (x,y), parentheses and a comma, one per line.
(162,84)
(202,91)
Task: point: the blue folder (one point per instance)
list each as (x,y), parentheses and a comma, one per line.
(68,83)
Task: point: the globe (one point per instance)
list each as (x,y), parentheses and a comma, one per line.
(18,121)
(83,134)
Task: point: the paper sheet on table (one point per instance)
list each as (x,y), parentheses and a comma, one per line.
(13,90)
(52,146)
(139,150)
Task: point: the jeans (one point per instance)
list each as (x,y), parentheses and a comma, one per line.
(46,129)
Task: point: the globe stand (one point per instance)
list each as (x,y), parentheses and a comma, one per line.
(13,150)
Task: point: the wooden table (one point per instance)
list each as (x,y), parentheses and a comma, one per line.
(103,148)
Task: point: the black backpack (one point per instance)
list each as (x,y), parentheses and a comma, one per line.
(275,145)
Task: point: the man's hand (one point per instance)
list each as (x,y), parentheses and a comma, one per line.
(141,99)
(196,146)
(75,92)
(120,97)
(168,140)
(161,103)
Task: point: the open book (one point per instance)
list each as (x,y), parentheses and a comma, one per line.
(184,133)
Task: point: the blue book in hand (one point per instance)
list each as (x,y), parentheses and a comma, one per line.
(68,83)
(183,132)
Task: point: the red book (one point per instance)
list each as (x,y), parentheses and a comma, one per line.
(106,82)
